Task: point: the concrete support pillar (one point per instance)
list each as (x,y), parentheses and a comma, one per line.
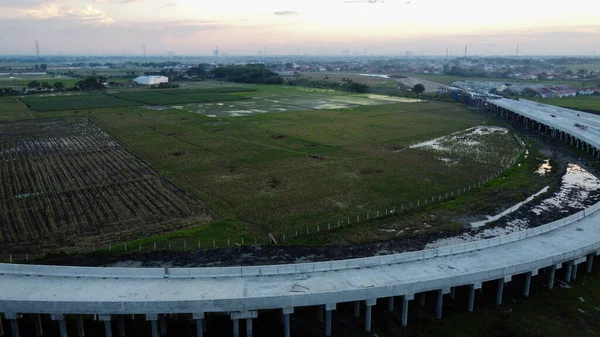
(391,304)
(405,300)
(500,291)
(62,325)
(14,326)
(1,327)
(121,323)
(551,273)
(162,320)
(236,328)
(574,276)
(286,321)
(79,323)
(368,305)
(107,325)
(590,262)
(472,288)
(453,293)
(328,309)
(527,284)
(248,327)
(357,309)
(37,321)
(154,324)
(440,304)
(248,316)
(199,318)
(568,271)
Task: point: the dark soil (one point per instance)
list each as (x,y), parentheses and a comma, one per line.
(370,171)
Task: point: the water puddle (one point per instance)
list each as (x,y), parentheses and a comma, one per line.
(463,138)
(155,107)
(545,168)
(577,185)
(512,209)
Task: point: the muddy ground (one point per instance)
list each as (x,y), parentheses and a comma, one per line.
(561,155)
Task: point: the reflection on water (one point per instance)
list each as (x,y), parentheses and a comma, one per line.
(544,168)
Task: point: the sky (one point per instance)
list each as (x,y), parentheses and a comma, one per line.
(284,27)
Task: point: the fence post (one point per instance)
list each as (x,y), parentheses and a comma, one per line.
(283,237)
(214,244)
(110,247)
(329,225)
(169,244)
(348,221)
(306,230)
(357,218)
(154,245)
(227,242)
(10,258)
(199,245)
(140,247)
(378,214)
(125,246)
(242,240)
(318,229)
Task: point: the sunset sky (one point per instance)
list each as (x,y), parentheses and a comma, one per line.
(192,27)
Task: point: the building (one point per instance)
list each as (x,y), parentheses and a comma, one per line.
(151,80)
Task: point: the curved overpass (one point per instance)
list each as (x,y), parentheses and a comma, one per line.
(242,292)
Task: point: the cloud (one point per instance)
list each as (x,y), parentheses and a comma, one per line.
(86,14)
(286,13)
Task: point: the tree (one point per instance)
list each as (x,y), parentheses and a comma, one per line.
(418,89)
(59,85)
(43,66)
(46,85)
(34,85)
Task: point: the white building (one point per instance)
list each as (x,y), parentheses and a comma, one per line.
(150,80)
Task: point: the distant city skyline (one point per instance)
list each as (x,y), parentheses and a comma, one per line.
(284,27)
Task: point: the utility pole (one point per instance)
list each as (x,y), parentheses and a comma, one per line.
(37,49)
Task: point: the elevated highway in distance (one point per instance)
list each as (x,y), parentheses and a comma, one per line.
(67,293)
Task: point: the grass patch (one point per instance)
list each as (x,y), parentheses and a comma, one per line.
(589,103)
(74,101)
(277,172)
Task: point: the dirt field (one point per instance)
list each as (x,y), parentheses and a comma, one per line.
(65,178)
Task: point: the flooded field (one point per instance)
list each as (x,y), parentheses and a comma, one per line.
(478,143)
(573,195)
(291,102)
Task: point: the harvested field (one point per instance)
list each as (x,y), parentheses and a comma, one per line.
(65,178)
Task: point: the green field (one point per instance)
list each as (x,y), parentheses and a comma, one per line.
(74,101)
(447,80)
(277,172)
(175,96)
(585,103)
